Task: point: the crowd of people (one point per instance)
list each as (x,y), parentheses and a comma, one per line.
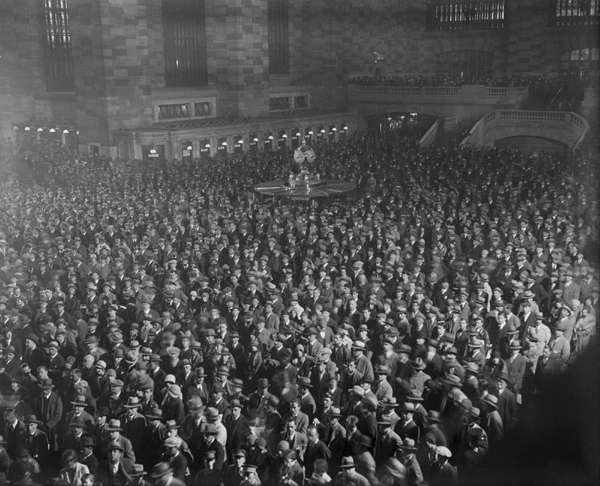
(161,324)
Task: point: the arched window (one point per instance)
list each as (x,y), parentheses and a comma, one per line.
(576,12)
(279,48)
(582,64)
(185,43)
(465,14)
(476,65)
(57,46)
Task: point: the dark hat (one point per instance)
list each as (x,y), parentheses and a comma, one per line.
(208,429)
(409,444)
(304,381)
(46,384)
(235,403)
(103,412)
(79,401)
(209,455)
(419,364)
(452,380)
(138,470)
(114,445)
(31,419)
(491,400)
(114,426)
(88,441)
(132,402)
(516,344)
(347,462)
(155,414)
(161,469)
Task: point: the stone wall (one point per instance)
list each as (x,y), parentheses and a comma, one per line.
(117,59)
(21,66)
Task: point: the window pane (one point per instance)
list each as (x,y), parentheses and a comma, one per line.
(277,19)
(57,46)
(185,42)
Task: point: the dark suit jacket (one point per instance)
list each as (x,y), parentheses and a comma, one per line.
(12,436)
(91,462)
(219,452)
(37,444)
(35,357)
(122,478)
(125,444)
(179,465)
(50,414)
(314,452)
(237,432)
(516,370)
(135,431)
(13,368)
(301,422)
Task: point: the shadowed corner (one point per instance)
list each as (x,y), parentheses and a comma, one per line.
(558,443)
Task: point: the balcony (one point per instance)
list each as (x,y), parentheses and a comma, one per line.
(565,127)
(469,102)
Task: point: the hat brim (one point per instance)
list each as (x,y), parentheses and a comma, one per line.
(161,474)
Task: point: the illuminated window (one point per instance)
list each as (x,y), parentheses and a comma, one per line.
(577,12)
(583,64)
(57,46)
(279,48)
(464,64)
(185,43)
(465,14)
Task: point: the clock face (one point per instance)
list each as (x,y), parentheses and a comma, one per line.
(304,154)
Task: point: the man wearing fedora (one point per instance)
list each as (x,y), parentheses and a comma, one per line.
(75,433)
(134,425)
(116,469)
(34,440)
(86,455)
(114,436)
(406,426)
(210,443)
(296,439)
(348,474)
(507,402)
(516,366)
(388,442)
(48,406)
(137,476)
(78,412)
(237,426)
(208,475)
(174,455)
(560,348)
(33,355)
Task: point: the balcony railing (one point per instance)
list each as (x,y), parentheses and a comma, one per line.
(467,90)
(564,126)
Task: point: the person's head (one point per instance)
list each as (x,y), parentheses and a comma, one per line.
(42,373)
(68,458)
(312,434)
(88,480)
(114,454)
(295,407)
(290,427)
